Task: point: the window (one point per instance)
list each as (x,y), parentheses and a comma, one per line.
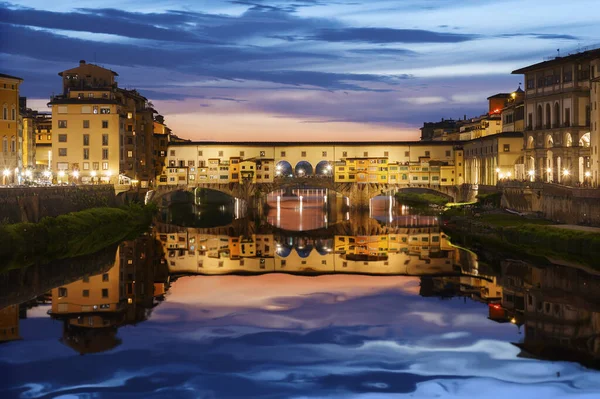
(86,109)
(407,154)
(506,147)
(86,153)
(303,154)
(104,124)
(85,293)
(62,138)
(62,292)
(104,165)
(62,165)
(90,95)
(567,76)
(62,109)
(104,292)
(242,153)
(344,154)
(448,153)
(366,154)
(96,165)
(62,124)
(105,139)
(386,153)
(105,153)
(105,110)
(531,83)
(427,154)
(86,166)
(105,277)
(262,153)
(129,154)
(86,139)
(220,153)
(199,153)
(324,154)
(62,152)
(14,115)
(95,109)
(282,154)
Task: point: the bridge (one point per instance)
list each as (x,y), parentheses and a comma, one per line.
(359,194)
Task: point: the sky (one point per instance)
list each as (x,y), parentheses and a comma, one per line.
(295,70)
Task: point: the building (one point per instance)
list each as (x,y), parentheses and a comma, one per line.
(262,162)
(513,112)
(102,133)
(43,141)
(595,121)
(440,130)
(492,158)
(11,154)
(558,101)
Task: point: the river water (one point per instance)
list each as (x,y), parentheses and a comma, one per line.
(300,305)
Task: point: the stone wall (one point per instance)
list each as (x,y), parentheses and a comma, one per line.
(34,203)
(559,203)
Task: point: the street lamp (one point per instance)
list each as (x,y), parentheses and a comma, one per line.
(75,174)
(588,174)
(531,173)
(497,170)
(566,172)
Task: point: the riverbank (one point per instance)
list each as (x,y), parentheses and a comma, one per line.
(526,237)
(422,199)
(70,235)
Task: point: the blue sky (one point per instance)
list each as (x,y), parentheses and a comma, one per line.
(312,69)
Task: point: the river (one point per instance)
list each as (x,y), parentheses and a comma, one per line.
(302,304)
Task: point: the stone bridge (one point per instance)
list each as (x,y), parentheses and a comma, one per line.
(359,194)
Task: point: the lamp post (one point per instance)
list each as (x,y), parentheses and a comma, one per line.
(93,175)
(75,175)
(531,174)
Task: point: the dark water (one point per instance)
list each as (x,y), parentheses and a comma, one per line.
(378,306)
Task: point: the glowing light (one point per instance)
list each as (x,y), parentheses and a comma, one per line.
(497,170)
(28,173)
(531,172)
(588,174)
(501,175)
(566,172)
(61,173)
(47,173)
(6,172)
(108,173)
(76,174)
(93,173)
(513,320)
(549,170)
(508,174)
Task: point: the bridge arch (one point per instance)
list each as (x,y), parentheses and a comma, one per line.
(304,247)
(284,169)
(324,168)
(303,168)
(324,246)
(447,192)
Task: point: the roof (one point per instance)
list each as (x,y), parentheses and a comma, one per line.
(585,55)
(83,63)
(503,135)
(499,95)
(83,101)
(5,76)
(312,143)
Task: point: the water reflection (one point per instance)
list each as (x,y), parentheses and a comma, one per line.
(251,310)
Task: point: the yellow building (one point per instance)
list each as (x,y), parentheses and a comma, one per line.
(9,323)
(494,158)
(11,152)
(43,141)
(102,133)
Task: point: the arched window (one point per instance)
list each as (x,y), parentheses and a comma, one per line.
(5,112)
(548,116)
(13,115)
(4,144)
(13,144)
(556,115)
(568,140)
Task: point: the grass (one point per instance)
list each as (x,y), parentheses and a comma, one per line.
(415,198)
(70,235)
(510,220)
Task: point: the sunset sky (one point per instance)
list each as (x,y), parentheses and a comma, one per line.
(295,69)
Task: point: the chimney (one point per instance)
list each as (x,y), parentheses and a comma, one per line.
(81,62)
(465,116)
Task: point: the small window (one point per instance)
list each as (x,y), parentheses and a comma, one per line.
(242,153)
(344,154)
(220,153)
(386,153)
(407,154)
(199,153)
(105,277)
(283,154)
(262,153)
(62,124)
(86,166)
(104,124)
(62,152)
(427,153)
(324,154)
(104,292)
(105,139)
(86,124)
(506,147)
(303,154)
(105,153)
(62,138)
(86,153)
(85,293)
(86,139)
(62,292)
(366,154)
(104,165)
(447,153)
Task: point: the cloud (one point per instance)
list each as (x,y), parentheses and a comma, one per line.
(546,36)
(389,35)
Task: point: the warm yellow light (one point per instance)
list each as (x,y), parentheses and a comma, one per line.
(93,173)
(76,174)
(501,175)
(549,170)
(508,174)
(531,172)
(108,173)
(61,173)
(588,174)
(513,320)
(566,172)
(497,170)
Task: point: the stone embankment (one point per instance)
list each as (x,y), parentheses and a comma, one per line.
(31,204)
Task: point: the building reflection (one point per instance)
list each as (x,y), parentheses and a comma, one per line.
(93,308)
(556,309)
